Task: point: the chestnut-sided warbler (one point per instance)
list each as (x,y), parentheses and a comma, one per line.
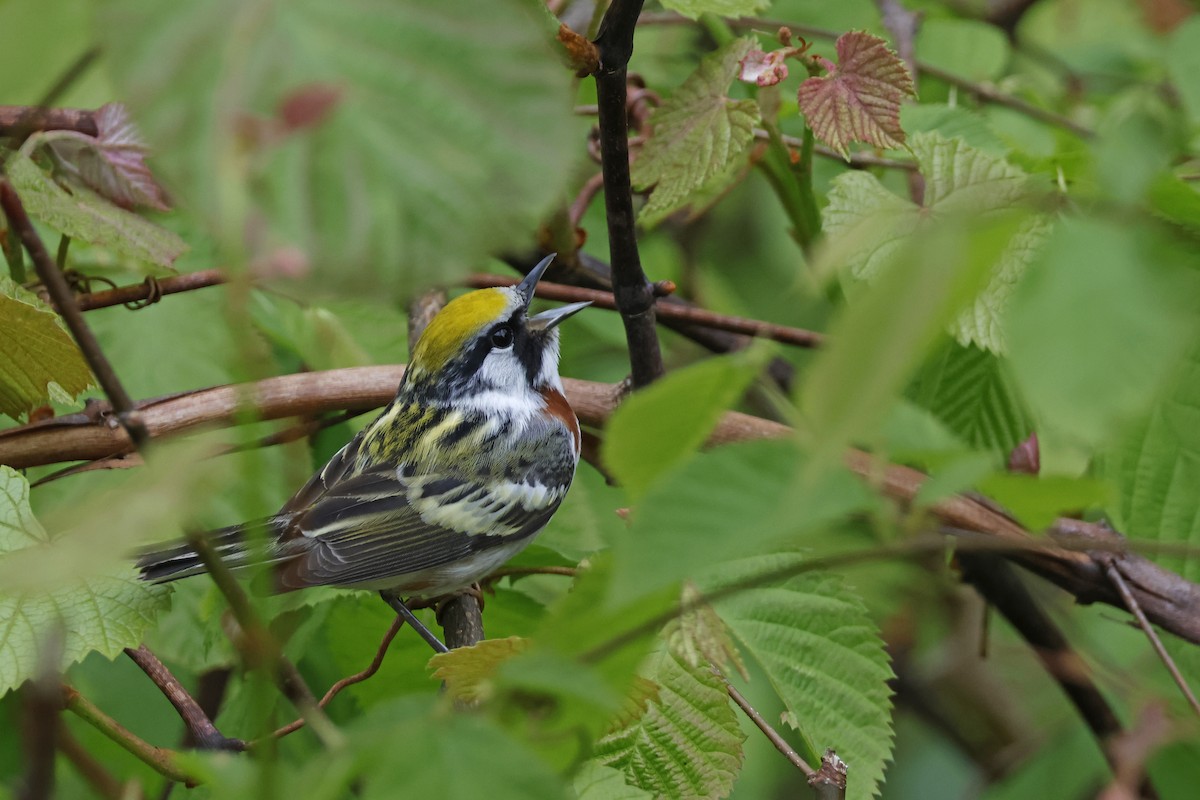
(456,475)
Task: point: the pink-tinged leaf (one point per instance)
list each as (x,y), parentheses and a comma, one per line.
(764,69)
(859,100)
(114,162)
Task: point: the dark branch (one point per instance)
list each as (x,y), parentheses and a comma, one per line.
(999,585)
(15,120)
(634,294)
(200,727)
(151,290)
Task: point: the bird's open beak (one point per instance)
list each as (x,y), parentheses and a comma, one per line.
(527,286)
(549,319)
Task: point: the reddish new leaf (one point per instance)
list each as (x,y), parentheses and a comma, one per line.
(859,100)
(764,69)
(114,162)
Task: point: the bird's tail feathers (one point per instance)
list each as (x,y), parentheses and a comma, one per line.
(236,545)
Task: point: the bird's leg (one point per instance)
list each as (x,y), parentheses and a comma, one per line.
(398,606)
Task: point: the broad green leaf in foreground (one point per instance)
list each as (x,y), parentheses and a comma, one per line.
(698,133)
(658,427)
(867,224)
(1121,293)
(101,613)
(37,353)
(881,337)
(82,214)
(1156,468)
(686,742)
(736,499)
(595,781)
(859,100)
(420,748)
(816,642)
(430,135)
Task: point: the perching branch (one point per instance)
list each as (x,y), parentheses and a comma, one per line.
(1067,558)
(634,295)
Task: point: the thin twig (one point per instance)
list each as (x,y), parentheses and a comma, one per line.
(52,278)
(151,291)
(349,680)
(772,735)
(514,572)
(634,294)
(91,770)
(1131,603)
(203,732)
(160,759)
(798,337)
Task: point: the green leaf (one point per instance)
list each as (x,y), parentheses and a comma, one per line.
(100,613)
(859,100)
(867,224)
(37,353)
(698,133)
(411,744)
(1156,467)
(1105,289)
(595,781)
(82,214)
(973,50)
(687,742)
(654,430)
(735,499)
(1182,56)
(722,8)
(953,122)
(971,391)
(823,655)
(1038,500)
(394,144)
(881,337)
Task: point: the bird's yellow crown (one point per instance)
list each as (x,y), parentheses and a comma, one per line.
(461,320)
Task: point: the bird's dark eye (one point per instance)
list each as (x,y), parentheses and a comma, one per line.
(502,337)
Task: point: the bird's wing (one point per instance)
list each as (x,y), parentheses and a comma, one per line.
(382,524)
(333,471)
